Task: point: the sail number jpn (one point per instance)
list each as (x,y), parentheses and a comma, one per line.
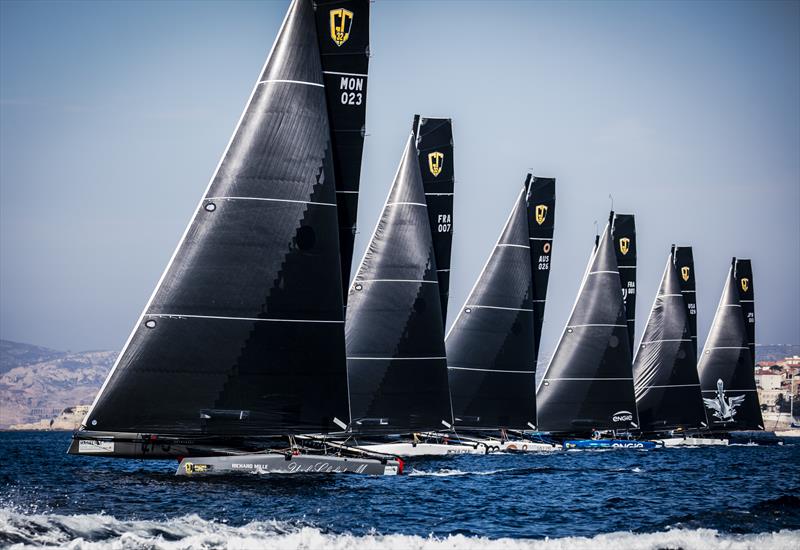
(352,89)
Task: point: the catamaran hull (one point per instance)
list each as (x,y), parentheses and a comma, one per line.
(692,441)
(609,444)
(424,449)
(519,446)
(275,463)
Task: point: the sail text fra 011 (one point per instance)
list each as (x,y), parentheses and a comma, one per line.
(240,350)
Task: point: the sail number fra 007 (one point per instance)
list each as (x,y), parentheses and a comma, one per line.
(444,221)
(352,90)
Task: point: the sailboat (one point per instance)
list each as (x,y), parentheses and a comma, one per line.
(588,385)
(665,367)
(491,347)
(726,366)
(237,363)
(397,369)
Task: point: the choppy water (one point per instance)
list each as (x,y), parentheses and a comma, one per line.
(713,497)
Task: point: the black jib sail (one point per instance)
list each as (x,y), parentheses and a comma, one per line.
(743,273)
(396,362)
(343,40)
(244,333)
(434,141)
(665,367)
(588,383)
(684,264)
(726,369)
(490,347)
(541,197)
(624,233)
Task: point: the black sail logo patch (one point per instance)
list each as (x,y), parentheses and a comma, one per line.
(341,23)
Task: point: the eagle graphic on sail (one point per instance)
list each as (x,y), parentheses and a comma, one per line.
(724,409)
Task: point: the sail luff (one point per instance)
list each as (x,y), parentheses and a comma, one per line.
(624,234)
(684,264)
(541,197)
(490,347)
(743,273)
(395,339)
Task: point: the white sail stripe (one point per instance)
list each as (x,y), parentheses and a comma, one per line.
(670,295)
(394,358)
(747,301)
(395,281)
(182,315)
(689,291)
(581,379)
(440,194)
(728,347)
(353,192)
(675,386)
(270,200)
(596,272)
(666,340)
(540,239)
(626,266)
(730,305)
(442,270)
(408,203)
(596,325)
(268,81)
(540,301)
(346,74)
(495,370)
(195,213)
(516,245)
(498,307)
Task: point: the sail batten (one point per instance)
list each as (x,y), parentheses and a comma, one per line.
(236,323)
(490,346)
(395,339)
(588,383)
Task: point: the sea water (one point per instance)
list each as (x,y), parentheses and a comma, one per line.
(706,497)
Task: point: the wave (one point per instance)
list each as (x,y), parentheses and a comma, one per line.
(448,472)
(89,531)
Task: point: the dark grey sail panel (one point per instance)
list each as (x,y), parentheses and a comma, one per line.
(589,382)
(396,363)
(244,334)
(726,369)
(743,273)
(665,367)
(683,260)
(541,221)
(624,233)
(343,40)
(490,347)
(434,141)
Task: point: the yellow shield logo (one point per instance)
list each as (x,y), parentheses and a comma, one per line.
(745,284)
(435,161)
(541,213)
(341,22)
(624,245)
(685,273)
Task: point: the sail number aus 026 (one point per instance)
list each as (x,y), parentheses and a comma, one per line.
(352,89)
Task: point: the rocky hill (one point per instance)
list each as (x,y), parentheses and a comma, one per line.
(38,383)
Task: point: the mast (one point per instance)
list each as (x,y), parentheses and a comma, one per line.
(726,371)
(588,383)
(434,143)
(684,264)
(490,347)
(343,40)
(396,363)
(665,367)
(623,231)
(244,332)
(541,198)
(743,273)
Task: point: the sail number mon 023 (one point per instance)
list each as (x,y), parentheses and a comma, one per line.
(352,89)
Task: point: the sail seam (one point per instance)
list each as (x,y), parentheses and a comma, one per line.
(291,82)
(666,340)
(346,74)
(674,386)
(499,307)
(440,194)
(728,347)
(596,325)
(596,272)
(408,203)
(242,318)
(395,358)
(515,245)
(540,238)
(670,295)
(579,379)
(396,281)
(271,200)
(494,370)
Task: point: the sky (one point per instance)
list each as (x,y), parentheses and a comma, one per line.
(113,117)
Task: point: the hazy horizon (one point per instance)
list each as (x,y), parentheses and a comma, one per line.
(114,115)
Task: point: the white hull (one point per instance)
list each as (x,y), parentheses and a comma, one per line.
(277,463)
(423,449)
(793,432)
(692,441)
(495,445)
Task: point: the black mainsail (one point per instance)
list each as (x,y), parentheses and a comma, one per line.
(541,197)
(665,367)
(623,232)
(588,383)
(743,273)
(434,142)
(684,264)
(244,333)
(396,363)
(490,347)
(726,367)
(343,41)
